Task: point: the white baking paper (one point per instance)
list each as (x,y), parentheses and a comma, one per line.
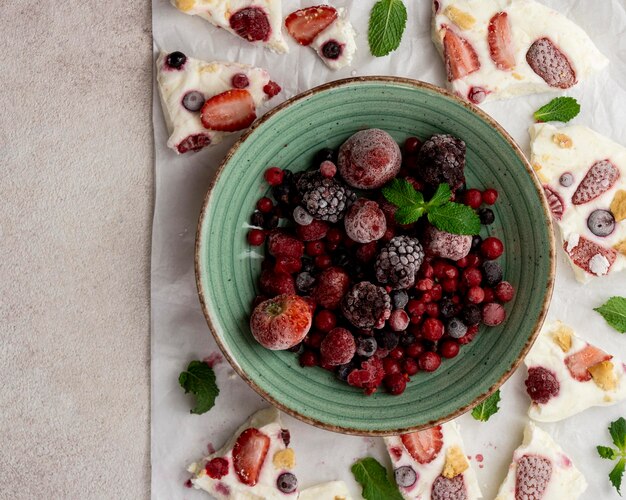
(179,330)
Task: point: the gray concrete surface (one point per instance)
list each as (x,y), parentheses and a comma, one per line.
(76,168)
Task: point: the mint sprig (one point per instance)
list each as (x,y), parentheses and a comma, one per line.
(372,477)
(487,408)
(386,26)
(617,430)
(199,379)
(614,312)
(442,213)
(559,109)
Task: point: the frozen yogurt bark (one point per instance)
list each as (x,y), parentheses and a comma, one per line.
(327,31)
(567,375)
(204,101)
(541,470)
(496,49)
(432,464)
(584,178)
(257,21)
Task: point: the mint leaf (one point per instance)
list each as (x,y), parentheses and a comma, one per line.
(441,196)
(199,379)
(373,479)
(408,215)
(488,407)
(607,452)
(615,476)
(386,26)
(617,430)
(559,109)
(454,218)
(401,192)
(614,312)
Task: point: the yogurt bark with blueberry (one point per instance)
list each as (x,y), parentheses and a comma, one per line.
(257,21)
(584,178)
(432,464)
(204,101)
(567,375)
(496,49)
(541,469)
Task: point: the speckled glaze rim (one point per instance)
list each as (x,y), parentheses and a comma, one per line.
(546,216)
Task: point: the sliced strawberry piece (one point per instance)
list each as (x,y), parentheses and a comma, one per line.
(193,143)
(555,202)
(249,454)
(500,42)
(593,258)
(460,56)
(545,59)
(424,446)
(251,23)
(305,24)
(579,363)
(601,177)
(532,477)
(229,111)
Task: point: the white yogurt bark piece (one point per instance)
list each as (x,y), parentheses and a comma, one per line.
(184,90)
(584,177)
(333,490)
(432,464)
(542,470)
(496,49)
(257,21)
(567,375)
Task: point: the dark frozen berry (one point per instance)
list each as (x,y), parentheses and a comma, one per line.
(486,216)
(176,60)
(271,221)
(366,346)
(490,196)
(492,272)
(399,261)
(399,299)
(331,49)
(308,359)
(395,383)
(305,282)
(412,145)
(344,370)
(327,199)
(325,320)
(367,305)
(456,329)
(274,176)
(447,308)
(193,100)
(476,241)
(471,314)
(406,339)
(240,81)
(442,160)
(297,349)
(387,340)
(257,219)
(405,476)
(287,482)
(601,222)
(541,384)
(301,216)
(566,180)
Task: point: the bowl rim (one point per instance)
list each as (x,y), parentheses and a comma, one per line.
(418,84)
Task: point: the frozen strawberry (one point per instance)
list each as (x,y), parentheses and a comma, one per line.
(276,283)
(555,202)
(579,363)
(588,255)
(249,454)
(532,477)
(331,287)
(281,322)
(601,177)
(229,111)
(424,446)
(460,56)
(545,59)
(305,24)
(314,231)
(369,376)
(281,244)
(193,143)
(252,24)
(365,221)
(338,347)
(500,42)
(287,265)
(449,489)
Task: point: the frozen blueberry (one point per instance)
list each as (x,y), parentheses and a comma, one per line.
(387,339)
(399,299)
(176,59)
(471,314)
(456,328)
(486,216)
(601,222)
(447,308)
(341,259)
(566,180)
(366,346)
(344,370)
(257,219)
(405,476)
(193,100)
(492,272)
(304,282)
(301,216)
(287,482)
(270,221)
(476,241)
(308,266)
(331,50)
(407,339)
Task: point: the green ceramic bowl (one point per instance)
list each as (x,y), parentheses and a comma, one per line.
(227,268)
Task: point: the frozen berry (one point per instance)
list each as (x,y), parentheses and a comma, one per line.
(344,370)
(387,340)
(447,308)
(493,314)
(325,320)
(328,169)
(391,366)
(257,219)
(429,361)
(405,476)
(490,196)
(325,198)
(414,350)
(432,309)
(410,366)
(601,222)
(456,329)
(217,468)
(251,23)
(486,216)
(365,221)
(366,346)
(369,375)
(476,241)
(432,329)
(331,49)
(301,216)
(541,384)
(406,339)
(323,261)
(281,322)
(271,89)
(264,205)
(477,95)
(455,489)
(193,100)
(471,315)
(256,237)
(399,261)
(280,243)
(325,154)
(369,159)
(305,282)
(492,272)
(367,305)
(176,60)
(274,176)
(314,248)
(412,145)
(399,320)
(442,160)
(491,248)
(472,277)
(287,265)
(338,347)
(316,230)
(395,383)
(240,81)
(504,291)
(475,295)
(566,179)
(308,358)
(332,285)
(473,198)
(277,283)
(287,482)
(446,245)
(449,348)
(397,353)
(399,299)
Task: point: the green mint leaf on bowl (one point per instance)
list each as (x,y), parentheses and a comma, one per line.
(199,379)
(372,477)
(614,312)
(454,218)
(402,193)
(408,214)
(488,407)
(617,429)
(441,196)
(386,26)
(559,109)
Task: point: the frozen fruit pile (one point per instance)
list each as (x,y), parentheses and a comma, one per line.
(349,289)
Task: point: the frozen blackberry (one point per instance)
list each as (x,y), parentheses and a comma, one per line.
(442,159)
(456,328)
(366,305)
(366,346)
(387,339)
(492,272)
(471,314)
(305,282)
(486,216)
(397,262)
(399,298)
(324,198)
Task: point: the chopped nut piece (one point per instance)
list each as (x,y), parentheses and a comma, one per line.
(563,338)
(562,141)
(185,5)
(537,167)
(517,76)
(284,459)
(621,247)
(603,375)
(456,462)
(618,205)
(459,17)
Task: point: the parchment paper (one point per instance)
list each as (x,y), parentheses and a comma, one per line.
(179,330)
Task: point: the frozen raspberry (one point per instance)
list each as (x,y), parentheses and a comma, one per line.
(332,285)
(217,467)
(338,347)
(449,489)
(442,160)
(541,384)
(281,322)
(366,305)
(276,283)
(446,245)
(365,221)
(251,23)
(369,159)
(493,314)
(281,244)
(314,231)
(532,477)
(399,261)
(369,375)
